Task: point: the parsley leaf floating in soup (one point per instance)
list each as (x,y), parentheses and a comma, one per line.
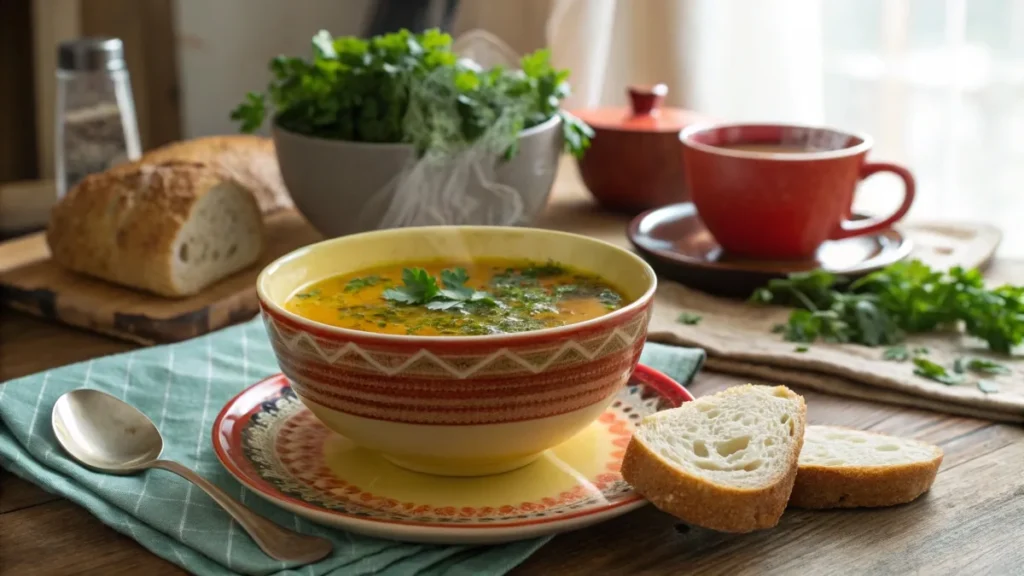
(488,296)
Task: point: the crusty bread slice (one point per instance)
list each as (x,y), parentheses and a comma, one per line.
(844,468)
(725,462)
(171,229)
(249,160)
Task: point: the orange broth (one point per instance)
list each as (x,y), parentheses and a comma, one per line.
(438,298)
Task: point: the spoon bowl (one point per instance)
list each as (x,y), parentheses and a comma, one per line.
(105,434)
(97,431)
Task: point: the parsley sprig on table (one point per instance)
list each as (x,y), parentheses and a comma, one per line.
(907,297)
(961,369)
(405,87)
(925,368)
(980,366)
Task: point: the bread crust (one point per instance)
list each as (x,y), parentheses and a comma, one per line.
(822,487)
(121,225)
(699,502)
(249,160)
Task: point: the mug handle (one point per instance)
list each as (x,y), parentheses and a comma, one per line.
(849,228)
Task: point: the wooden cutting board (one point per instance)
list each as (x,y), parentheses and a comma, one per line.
(32,283)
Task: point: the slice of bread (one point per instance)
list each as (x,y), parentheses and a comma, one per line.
(248,160)
(725,462)
(170,229)
(844,468)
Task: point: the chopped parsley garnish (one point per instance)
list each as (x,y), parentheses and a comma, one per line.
(357,284)
(514,300)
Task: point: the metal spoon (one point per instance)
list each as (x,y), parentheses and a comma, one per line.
(107,435)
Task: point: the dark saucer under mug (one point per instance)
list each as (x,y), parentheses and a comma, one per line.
(676,244)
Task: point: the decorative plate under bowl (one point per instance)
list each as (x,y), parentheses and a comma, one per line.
(270,442)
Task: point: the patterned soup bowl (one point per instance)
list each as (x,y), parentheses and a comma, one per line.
(458,405)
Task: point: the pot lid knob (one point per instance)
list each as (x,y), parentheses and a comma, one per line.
(646,99)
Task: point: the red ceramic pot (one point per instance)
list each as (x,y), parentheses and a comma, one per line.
(633,163)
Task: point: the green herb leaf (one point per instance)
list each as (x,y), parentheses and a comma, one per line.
(689,318)
(577,134)
(983,366)
(801,349)
(401,295)
(928,369)
(896,354)
(357,284)
(988,386)
(454,284)
(454,278)
(808,326)
(483,297)
(250,112)
(311,294)
(610,298)
(461,293)
(418,287)
(323,45)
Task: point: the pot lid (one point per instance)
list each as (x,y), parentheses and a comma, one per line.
(644,114)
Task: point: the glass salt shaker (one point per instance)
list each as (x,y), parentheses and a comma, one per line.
(95,116)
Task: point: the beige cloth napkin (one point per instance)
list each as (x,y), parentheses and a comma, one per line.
(738,339)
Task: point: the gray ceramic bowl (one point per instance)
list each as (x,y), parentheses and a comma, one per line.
(332,181)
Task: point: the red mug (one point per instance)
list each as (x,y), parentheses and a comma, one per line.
(778,192)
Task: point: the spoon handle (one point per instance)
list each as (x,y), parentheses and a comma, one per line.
(278,542)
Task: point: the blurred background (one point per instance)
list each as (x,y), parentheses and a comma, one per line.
(939,84)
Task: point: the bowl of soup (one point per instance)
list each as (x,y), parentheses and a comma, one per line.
(457,350)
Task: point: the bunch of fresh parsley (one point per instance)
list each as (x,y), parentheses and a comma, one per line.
(411,88)
(907,297)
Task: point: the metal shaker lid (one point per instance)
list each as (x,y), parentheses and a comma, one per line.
(91,54)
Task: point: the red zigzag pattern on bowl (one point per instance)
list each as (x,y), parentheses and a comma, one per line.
(438,385)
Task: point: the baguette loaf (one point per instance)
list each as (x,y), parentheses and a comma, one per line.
(843,468)
(170,229)
(250,160)
(725,462)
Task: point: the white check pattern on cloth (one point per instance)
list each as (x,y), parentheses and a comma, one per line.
(181,387)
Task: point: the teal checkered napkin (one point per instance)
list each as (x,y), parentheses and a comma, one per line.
(182,387)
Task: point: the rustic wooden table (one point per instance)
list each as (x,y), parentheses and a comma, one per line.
(972,521)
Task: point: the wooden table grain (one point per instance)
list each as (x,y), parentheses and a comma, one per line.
(972,521)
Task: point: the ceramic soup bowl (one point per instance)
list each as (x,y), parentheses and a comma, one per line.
(458,405)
